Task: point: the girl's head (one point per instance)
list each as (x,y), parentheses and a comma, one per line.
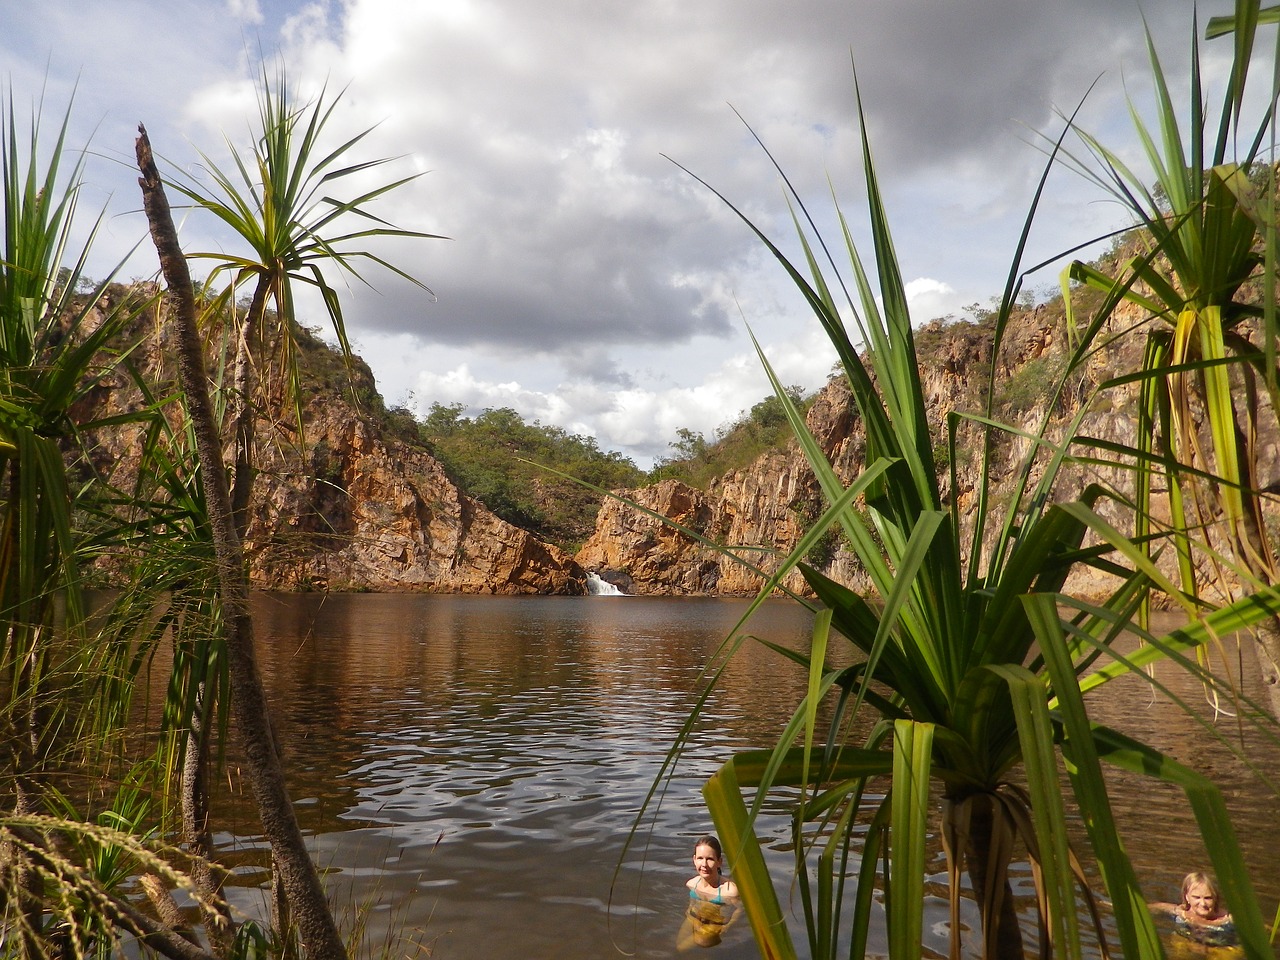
(1200,895)
(709,841)
(708,859)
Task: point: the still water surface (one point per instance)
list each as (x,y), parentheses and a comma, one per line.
(475,765)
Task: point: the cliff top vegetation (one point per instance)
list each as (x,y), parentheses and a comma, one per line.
(498,458)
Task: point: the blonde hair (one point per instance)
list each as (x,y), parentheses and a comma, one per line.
(1197,878)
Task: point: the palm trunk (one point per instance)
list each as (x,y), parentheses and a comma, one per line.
(29,783)
(243,413)
(298,876)
(26,884)
(987,847)
(1268,635)
(195,825)
(1253,549)
(195,773)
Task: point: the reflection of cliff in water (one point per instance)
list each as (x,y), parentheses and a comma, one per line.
(346,670)
(499,748)
(456,752)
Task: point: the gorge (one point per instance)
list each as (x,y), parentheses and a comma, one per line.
(360,506)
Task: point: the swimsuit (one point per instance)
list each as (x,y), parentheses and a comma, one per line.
(719,897)
(708,916)
(1210,934)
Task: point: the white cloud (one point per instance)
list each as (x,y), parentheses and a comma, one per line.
(247,11)
(640,419)
(589,281)
(928,299)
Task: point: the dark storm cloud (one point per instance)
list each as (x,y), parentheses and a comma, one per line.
(544,128)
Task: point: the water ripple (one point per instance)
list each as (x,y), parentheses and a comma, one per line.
(477,765)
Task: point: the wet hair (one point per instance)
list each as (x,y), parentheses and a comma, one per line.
(707,840)
(1192,879)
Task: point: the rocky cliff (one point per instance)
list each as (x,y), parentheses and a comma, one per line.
(758,513)
(357,509)
(344,505)
(356,506)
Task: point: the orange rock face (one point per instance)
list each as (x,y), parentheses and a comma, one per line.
(350,508)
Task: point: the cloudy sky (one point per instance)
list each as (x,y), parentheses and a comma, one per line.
(587,280)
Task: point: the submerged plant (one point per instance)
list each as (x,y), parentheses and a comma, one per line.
(970,654)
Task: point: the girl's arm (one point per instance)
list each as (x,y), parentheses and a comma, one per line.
(734,905)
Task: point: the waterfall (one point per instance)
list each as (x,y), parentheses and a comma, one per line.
(598,587)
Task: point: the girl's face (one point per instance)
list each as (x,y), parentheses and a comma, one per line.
(1201,903)
(706,861)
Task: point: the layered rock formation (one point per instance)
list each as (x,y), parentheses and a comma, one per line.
(344,505)
(759,513)
(760,510)
(358,510)
(356,507)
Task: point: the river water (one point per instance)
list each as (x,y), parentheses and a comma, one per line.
(469,770)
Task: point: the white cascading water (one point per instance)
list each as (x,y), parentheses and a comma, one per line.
(602,588)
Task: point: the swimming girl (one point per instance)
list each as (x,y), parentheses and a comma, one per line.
(1201,916)
(713,900)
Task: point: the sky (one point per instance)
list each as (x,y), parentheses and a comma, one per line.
(589,281)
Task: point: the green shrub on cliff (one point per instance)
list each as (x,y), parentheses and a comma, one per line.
(737,444)
(494,456)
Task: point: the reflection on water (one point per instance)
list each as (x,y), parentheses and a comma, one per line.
(1155,822)
(474,765)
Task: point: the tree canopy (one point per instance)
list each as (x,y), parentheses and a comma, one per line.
(498,458)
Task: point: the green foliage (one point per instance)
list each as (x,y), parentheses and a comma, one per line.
(1032,384)
(320,368)
(969,653)
(1209,236)
(496,458)
(737,444)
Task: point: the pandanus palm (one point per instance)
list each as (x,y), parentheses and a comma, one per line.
(278,201)
(972,671)
(283,202)
(1209,221)
(56,344)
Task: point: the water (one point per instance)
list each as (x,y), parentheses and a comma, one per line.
(597,586)
(473,767)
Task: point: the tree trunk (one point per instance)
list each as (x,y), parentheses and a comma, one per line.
(1001,932)
(1268,637)
(243,414)
(1255,552)
(29,791)
(195,827)
(24,882)
(298,876)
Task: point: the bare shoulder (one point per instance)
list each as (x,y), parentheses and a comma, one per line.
(730,889)
(692,883)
